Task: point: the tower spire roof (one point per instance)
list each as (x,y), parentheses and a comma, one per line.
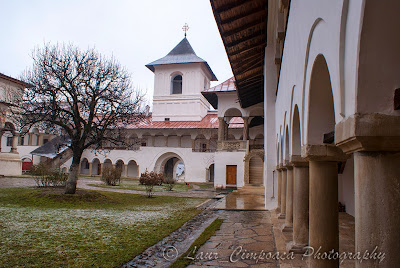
(181,53)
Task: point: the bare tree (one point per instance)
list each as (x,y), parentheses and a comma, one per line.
(81,94)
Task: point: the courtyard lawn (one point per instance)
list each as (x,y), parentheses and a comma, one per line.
(44,228)
(133,184)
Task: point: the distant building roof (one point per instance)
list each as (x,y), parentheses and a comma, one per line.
(14,80)
(182,53)
(52,148)
(226,86)
(209,121)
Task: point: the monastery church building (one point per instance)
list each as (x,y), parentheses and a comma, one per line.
(182,137)
(312,115)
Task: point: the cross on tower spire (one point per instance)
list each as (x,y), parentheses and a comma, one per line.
(185,28)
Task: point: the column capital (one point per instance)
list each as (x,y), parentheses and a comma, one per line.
(323,152)
(298,161)
(368,132)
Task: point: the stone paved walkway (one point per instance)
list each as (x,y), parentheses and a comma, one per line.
(244,240)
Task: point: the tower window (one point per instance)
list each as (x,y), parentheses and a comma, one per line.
(177,85)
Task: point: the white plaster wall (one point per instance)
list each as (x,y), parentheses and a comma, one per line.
(330,28)
(222,159)
(10,165)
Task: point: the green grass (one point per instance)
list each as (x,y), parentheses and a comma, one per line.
(132,184)
(185,259)
(45,228)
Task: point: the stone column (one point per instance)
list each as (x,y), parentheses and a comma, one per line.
(179,141)
(377,199)
(279,175)
(15,143)
(226,131)
(283,192)
(207,174)
(300,203)
(166,141)
(193,144)
(375,141)
(324,212)
(289,200)
(40,139)
(245,128)
(126,171)
(90,168)
(221,128)
(30,139)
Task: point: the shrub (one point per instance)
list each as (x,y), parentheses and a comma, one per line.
(169,182)
(149,180)
(44,176)
(111,176)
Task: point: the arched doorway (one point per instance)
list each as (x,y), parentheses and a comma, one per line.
(107,163)
(256,170)
(133,169)
(171,165)
(96,167)
(211,173)
(253,167)
(84,166)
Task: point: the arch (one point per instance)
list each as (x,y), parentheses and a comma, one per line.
(96,167)
(255,165)
(200,143)
(231,137)
(64,170)
(8,126)
(259,139)
(161,161)
(84,166)
(211,170)
(133,169)
(107,163)
(176,84)
(256,168)
(321,111)
(26,163)
(287,152)
(296,133)
(120,164)
(378,60)
(232,112)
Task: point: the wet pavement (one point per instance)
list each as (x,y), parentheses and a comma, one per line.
(247,198)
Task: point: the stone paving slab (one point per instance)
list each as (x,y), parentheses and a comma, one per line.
(236,243)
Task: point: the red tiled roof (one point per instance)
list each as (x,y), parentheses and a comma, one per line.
(209,121)
(228,85)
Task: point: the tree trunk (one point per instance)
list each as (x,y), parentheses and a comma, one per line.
(70,187)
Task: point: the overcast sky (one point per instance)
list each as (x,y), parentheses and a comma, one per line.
(135,32)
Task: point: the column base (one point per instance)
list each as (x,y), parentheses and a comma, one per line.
(282,216)
(298,249)
(14,151)
(287,229)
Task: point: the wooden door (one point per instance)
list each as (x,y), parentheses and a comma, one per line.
(231,174)
(256,170)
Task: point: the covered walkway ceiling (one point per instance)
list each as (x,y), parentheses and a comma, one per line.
(243,28)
